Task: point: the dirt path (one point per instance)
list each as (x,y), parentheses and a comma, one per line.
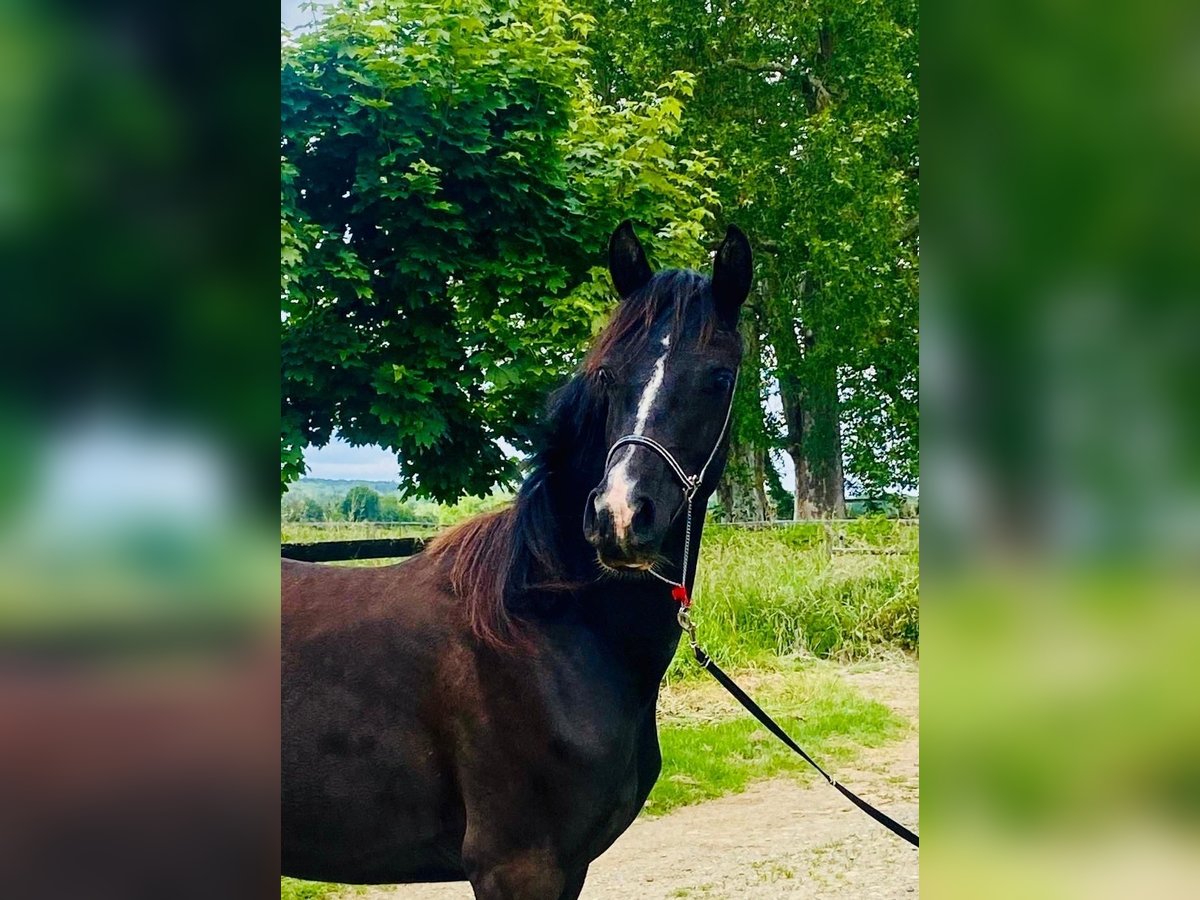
(778,839)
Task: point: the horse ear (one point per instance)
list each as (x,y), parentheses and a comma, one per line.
(733,270)
(627,261)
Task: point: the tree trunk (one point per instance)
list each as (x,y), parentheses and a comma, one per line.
(808,391)
(822,438)
(794,418)
(741,490)
(765,506)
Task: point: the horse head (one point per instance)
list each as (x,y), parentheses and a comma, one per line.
(667,366)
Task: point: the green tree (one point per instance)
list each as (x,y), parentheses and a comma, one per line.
(812,109)
(390,509)
(361,504)
(449,177)
(301,509)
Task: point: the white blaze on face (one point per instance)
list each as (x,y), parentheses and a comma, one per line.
(618,493)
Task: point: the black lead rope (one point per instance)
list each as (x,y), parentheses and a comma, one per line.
(680,592)
(757,711)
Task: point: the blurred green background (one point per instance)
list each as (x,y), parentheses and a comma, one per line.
(1061,544)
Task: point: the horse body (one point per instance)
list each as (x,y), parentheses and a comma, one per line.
(366,794)
(486,710)
(409,746)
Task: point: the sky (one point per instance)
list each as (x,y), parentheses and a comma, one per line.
(337,459)
(291,15)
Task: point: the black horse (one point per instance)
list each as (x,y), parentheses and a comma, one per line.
(486,710)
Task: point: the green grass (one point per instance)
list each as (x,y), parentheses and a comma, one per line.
(295,889)
(700,891)
(707,759)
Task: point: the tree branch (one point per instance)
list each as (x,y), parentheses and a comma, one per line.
(821,97)
(758,67)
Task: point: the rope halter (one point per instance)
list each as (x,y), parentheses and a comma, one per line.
(691,486)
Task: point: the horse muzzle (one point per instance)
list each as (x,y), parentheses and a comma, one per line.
(623,526)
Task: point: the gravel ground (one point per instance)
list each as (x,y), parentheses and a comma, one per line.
(778,839)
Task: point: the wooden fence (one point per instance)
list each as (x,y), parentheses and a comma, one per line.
(341,551)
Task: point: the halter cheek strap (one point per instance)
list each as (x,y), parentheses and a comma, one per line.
(691,486)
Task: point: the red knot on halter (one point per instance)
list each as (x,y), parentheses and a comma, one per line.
(691,486)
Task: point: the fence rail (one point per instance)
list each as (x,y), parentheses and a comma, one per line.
(340,551)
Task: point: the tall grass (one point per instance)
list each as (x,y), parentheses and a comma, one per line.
(310,532)
(839,591)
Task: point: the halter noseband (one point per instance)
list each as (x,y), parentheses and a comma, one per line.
(691,486)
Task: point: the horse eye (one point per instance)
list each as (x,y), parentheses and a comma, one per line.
(723,379)
(605,376)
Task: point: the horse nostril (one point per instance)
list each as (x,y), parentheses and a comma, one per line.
(589,517)
(643,516)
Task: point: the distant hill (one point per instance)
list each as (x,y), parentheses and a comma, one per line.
(320,499)
(325,490)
